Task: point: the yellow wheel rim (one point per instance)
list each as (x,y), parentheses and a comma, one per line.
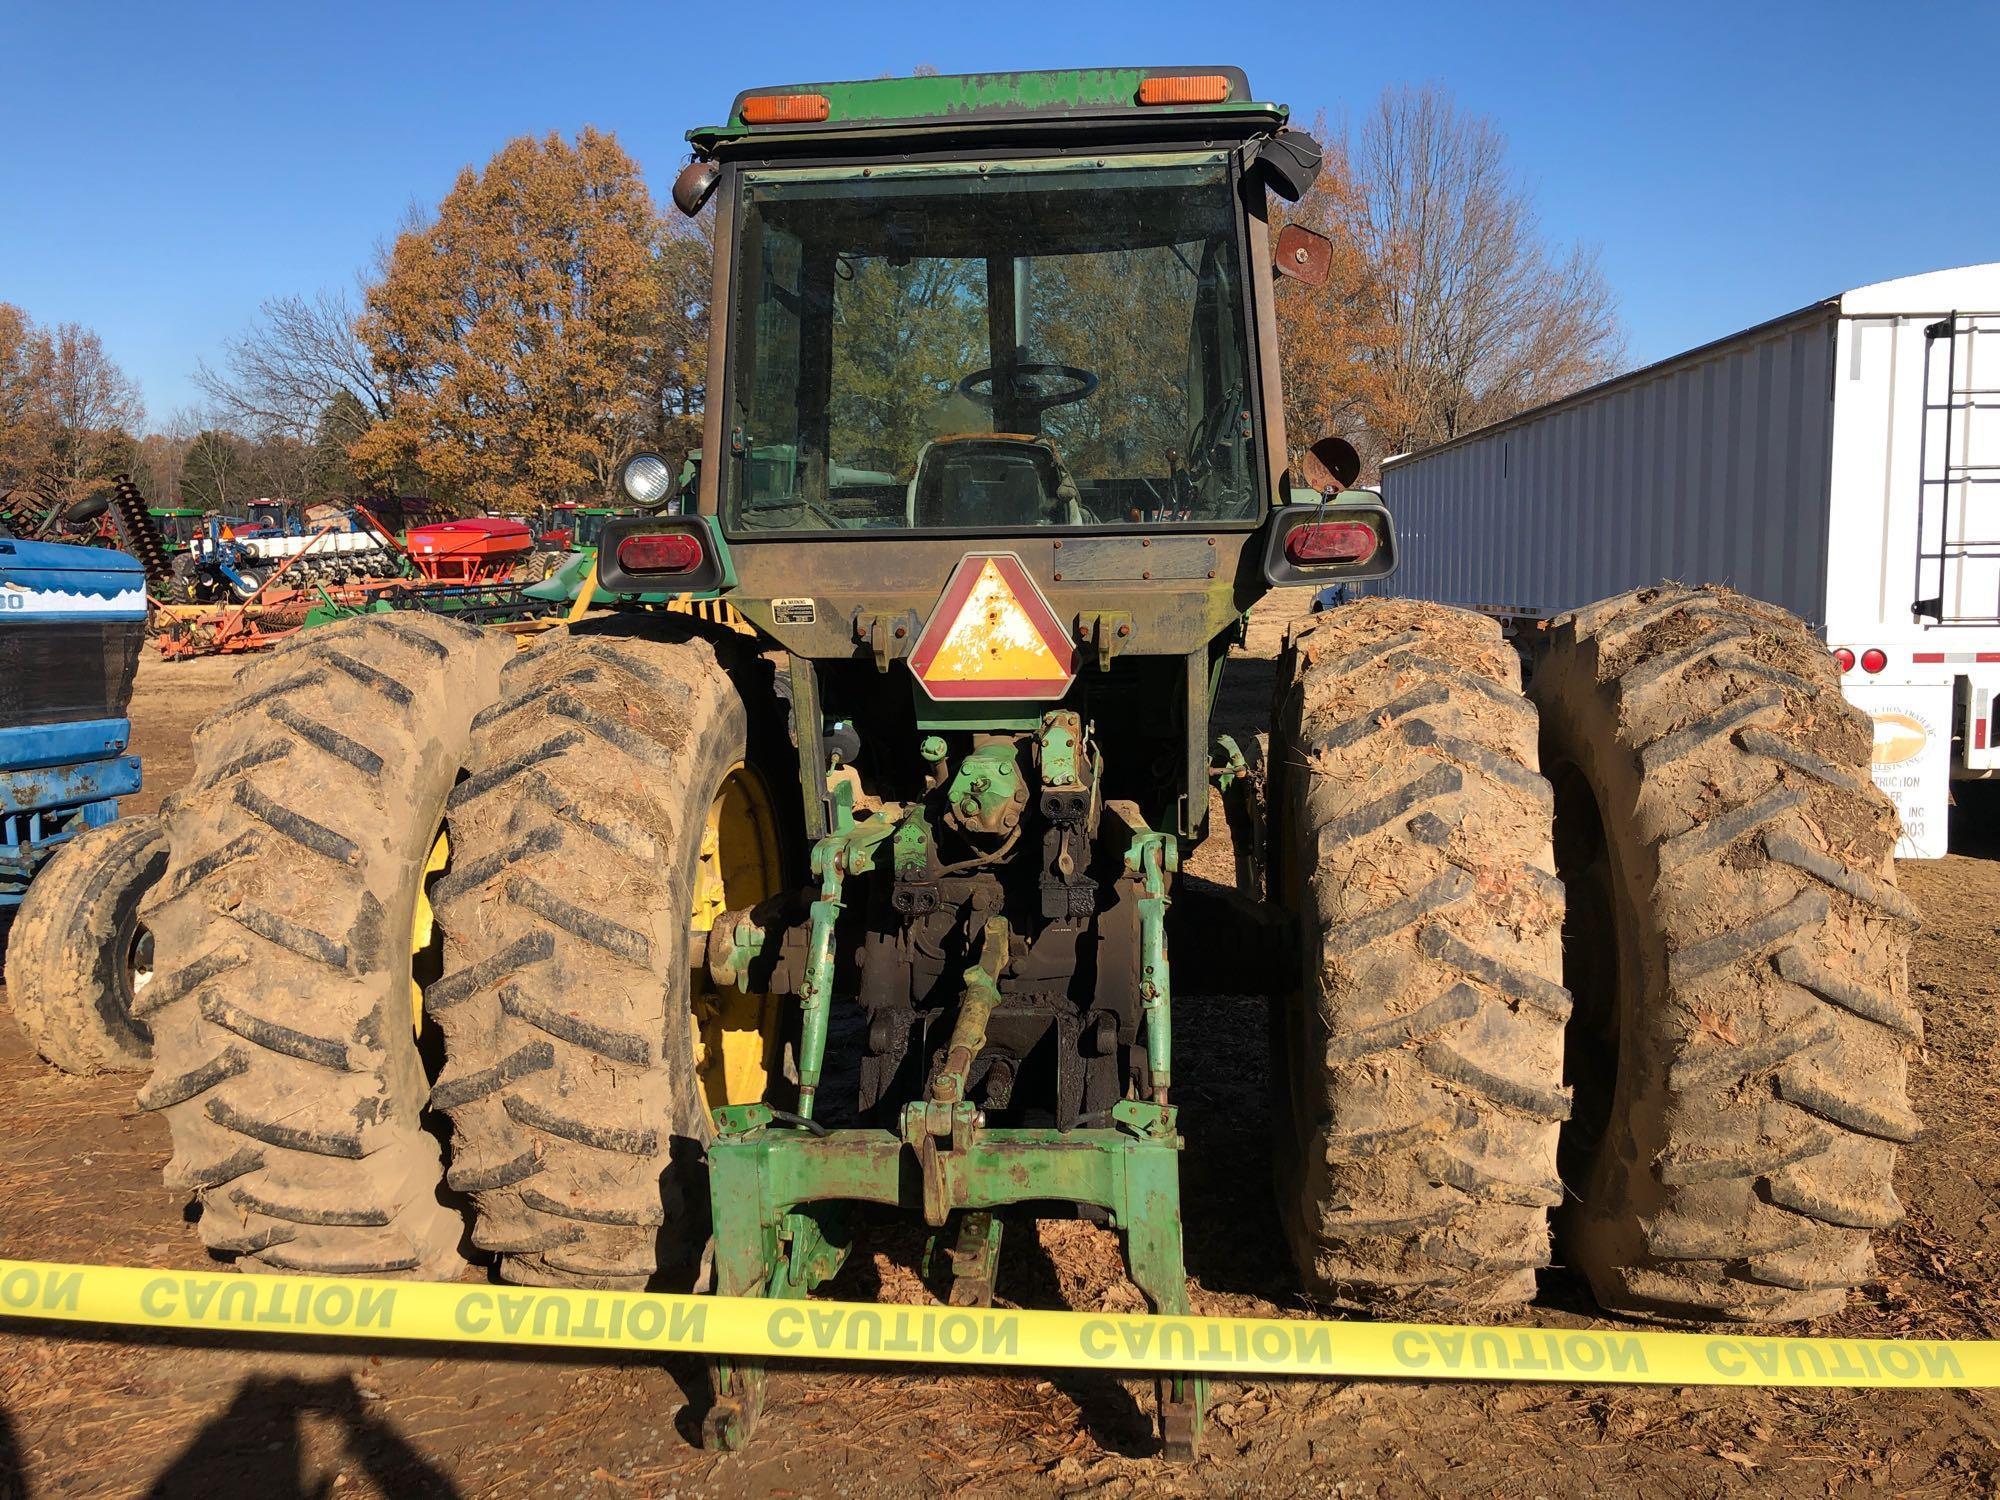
(736,1035)
(423,928)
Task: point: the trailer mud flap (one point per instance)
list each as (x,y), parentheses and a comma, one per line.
(1243,1348)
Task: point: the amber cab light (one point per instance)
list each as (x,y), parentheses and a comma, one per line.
(1331,542)
(673,552)
(785,109)
(1844,657)
(1186,88)
(1873,660)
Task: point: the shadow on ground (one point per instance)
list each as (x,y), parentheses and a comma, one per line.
(257,1445)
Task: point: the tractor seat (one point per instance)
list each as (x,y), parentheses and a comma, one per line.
(986,480)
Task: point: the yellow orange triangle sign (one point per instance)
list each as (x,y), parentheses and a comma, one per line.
(993,635)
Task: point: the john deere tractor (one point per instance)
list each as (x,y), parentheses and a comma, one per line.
(641,959)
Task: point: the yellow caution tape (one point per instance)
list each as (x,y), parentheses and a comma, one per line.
(755,1328)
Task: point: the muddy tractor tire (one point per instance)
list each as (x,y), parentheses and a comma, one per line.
(574,1087)
(543,565)
(1737,948)
(78,953)
(1419,1068)
(286,1057)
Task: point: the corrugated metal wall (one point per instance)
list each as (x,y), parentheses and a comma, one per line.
(1712,467)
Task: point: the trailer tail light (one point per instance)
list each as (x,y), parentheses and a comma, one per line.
(1331,542)
(673,552)
(1185,88)
(785,109)
(1845,658)
(1873,660)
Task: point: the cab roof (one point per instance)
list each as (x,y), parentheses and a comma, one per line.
(963,105)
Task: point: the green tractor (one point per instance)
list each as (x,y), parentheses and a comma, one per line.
(645,958)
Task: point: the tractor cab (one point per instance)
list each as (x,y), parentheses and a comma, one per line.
(587,525)
(1052,344)
(1021,314)
(275,518)
(178,526)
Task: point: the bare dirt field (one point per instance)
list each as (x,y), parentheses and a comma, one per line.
(86,1412)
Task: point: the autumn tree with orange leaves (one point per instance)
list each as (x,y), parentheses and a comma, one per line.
(67,412)
(508,328)
(1332,338)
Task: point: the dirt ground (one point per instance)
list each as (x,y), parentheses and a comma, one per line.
(89,1412)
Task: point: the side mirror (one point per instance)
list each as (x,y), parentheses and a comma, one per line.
(1304,255)
(1332,465)
(1337,541)
(694,186)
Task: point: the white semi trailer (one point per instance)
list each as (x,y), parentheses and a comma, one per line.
(1843,461)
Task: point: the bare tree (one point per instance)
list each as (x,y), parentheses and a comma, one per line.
(1486,316)
(220,472)
(162,458)
(301,383)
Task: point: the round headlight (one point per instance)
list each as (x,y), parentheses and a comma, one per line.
(647,479)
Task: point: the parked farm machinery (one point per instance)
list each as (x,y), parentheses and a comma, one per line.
(222,562)
(702,937)
(72,872)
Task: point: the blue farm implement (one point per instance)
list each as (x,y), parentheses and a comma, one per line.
(72,621)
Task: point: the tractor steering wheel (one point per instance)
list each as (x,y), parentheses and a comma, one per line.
(1024,395)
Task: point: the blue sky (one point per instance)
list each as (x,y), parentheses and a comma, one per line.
(168,167)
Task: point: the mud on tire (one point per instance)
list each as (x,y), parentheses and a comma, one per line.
(71,947)
(578,1119)
(284,1055)
(1419,1071)
(1738,951)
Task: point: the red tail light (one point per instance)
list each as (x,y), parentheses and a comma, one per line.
(1845,658)
(1331,542)
(673,552)
(1873,660)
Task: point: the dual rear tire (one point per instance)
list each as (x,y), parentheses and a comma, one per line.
(1740,1049)
(1701,1051)
(613,806)
(415,901)
(287,1056)
(1705,1076)
(1418,1072)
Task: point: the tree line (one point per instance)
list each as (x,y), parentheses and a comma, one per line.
(547,319)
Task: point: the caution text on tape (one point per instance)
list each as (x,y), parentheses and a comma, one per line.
(755,1328)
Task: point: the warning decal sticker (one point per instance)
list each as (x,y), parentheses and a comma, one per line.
(993,636)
